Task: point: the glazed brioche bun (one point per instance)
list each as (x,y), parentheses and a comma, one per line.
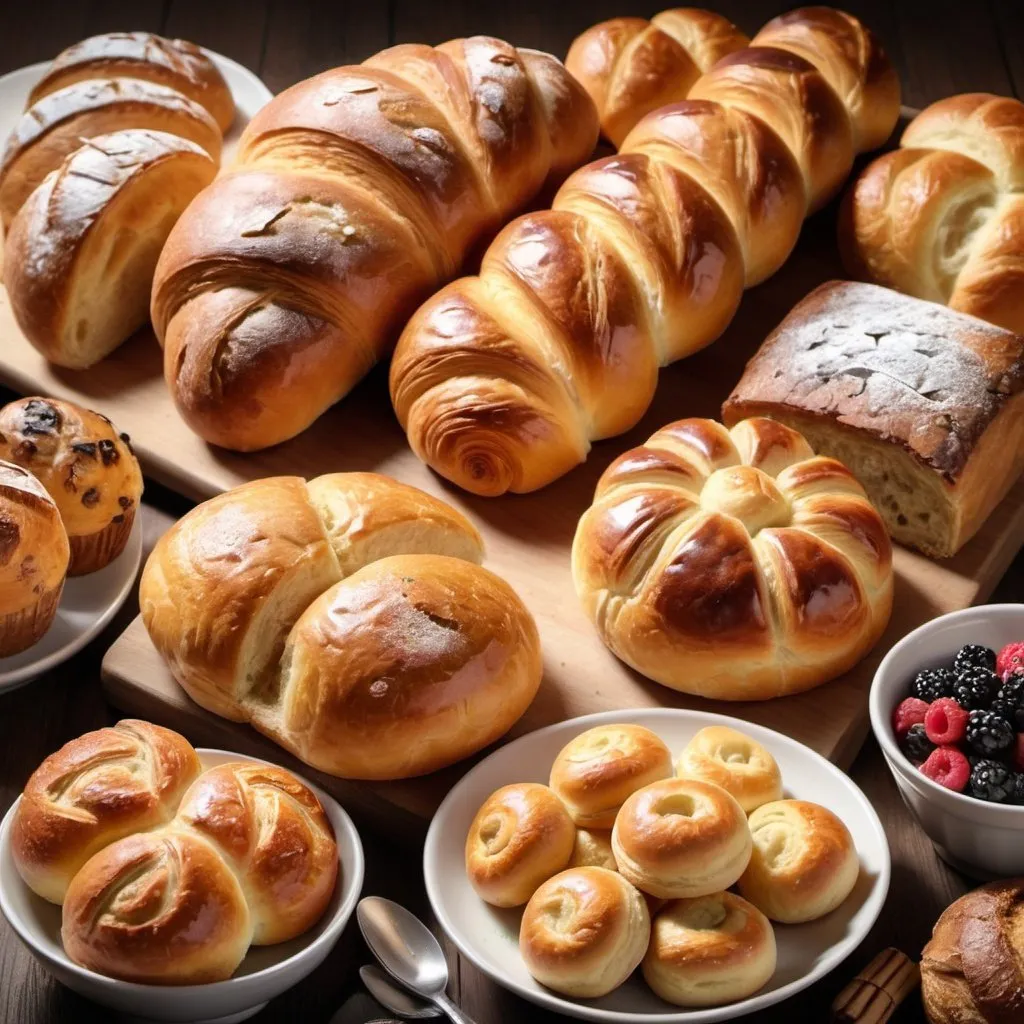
(738,764)
(709,950)
(804,862)
(595,772)
(584,932)
(593,849)
(681,838)
(520,837)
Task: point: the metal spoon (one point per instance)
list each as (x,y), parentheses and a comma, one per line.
(408,951)
(393,998)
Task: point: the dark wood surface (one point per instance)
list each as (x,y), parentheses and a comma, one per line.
(939,46)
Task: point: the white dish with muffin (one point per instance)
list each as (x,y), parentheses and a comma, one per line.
(588,832)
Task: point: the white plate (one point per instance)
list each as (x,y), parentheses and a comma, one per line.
(489,937)
(86,606)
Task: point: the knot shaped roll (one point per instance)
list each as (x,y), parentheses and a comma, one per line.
(804,863)
(520,837)
(584,932)
(733,564)
(595,771)
(502,381)
(353,195)
(942,217)
(681,838)
(740,765)
(344,618)
(94,790)
(709,950)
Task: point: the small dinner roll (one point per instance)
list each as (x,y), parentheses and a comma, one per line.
(593,849)
(596,771)
(710,950)
(584,932)
(681,838)
(804,863)
(733,761)
(521,836)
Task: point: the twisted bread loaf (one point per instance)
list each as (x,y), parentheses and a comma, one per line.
(733,564)
(354,194)
(942,217)
(501,381)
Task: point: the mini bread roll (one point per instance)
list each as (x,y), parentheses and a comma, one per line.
(520,837)
(681,838)
(738,764)
(804,863)
(584,932)
(593,849)
(710,950)
(595,772)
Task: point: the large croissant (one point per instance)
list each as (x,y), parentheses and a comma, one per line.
(354,195)
(502,381)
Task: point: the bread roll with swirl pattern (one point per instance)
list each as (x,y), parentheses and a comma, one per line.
(740,765)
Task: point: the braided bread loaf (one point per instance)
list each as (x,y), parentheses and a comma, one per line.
(942,217)
(355,193)
(502,381)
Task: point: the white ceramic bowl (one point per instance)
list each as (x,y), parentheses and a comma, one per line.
(982,839)
(489,937)
(266,971)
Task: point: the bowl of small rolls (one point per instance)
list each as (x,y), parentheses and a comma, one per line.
(175,884)
(656,865)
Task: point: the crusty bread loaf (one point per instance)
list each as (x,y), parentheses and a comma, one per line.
(346,619)
(925,406)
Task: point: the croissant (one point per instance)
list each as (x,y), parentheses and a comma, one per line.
(502,381)
(355,194)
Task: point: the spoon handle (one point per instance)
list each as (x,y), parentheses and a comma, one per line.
(455,1015)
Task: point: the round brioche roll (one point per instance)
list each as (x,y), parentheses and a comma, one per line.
(738,764)
(96,789)
(804,862)
(592,848)
(584,932)
(88,468)
(681,838)
(34,556)
(709,950)
(520,837)
(595,772)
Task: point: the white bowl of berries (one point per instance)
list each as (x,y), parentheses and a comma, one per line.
(947,708)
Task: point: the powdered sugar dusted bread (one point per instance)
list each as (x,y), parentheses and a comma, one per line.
(924,405)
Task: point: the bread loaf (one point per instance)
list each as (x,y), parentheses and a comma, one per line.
(502,381)
(346,619)
(354,194)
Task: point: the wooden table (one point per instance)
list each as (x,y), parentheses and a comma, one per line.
(939,46)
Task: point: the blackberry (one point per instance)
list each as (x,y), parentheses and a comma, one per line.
(974,656)
(916,745)
(988,734)
(1010,697)
(932,683)
(1017,796)
(976,688)
(1004,709)
(992,781)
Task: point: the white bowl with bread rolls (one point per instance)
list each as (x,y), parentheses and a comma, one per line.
(636,918)
(243,905)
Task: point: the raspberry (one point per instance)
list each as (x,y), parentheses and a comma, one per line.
(945,722)
(974,656)
(915,745)
(908,712)
(1009,658)
(948,767)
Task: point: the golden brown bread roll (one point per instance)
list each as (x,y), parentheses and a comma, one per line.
(503,380)
(277,603)
(80,254)
(733,564)
(520,837)
(584,932)
(353,195)
(942,217)
(88,468)
(592,848)
(595,771)
(804,863)
(34,556)
(738,764)
(681,838)
(96,789)
(709,950)
(172,62)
